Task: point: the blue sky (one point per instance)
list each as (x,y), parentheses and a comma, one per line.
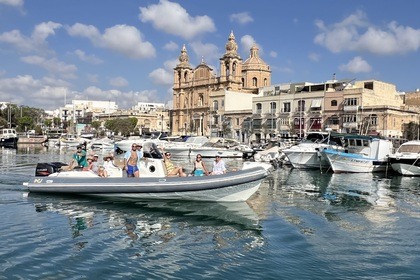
(125,50)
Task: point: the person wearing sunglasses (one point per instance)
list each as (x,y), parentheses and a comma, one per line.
(199,167)
(131,161)
(171,169)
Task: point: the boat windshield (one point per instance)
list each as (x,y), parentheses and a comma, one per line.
(409,149)
(150,150)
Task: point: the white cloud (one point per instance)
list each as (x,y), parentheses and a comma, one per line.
(247,41)
(355,33)
(356,65)
(123,39)
(87,58)
(118,82)
(314,57)
(241,18)
(44,93)
(273,54)
(36,42)
(14,3)
(208,52)
(171,46)
(173,19)
(53,66)
(161,76)
(164,76)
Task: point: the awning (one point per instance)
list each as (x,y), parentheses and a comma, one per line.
(316,103)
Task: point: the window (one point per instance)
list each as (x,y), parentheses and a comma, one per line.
(273,107)
(351,101)
(254,82)
(301,106)
(258,108)
(333,102)
(215,105)
(333,120)
(349,118)
(373,119)
(286,107)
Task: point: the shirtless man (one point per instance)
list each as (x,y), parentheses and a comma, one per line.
(131,159)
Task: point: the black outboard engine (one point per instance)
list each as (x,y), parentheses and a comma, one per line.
(47,168)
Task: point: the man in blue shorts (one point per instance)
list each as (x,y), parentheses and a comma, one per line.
(131,159)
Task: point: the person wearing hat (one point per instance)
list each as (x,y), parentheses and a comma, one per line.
(219,166)
(79,158)
(90,164)
(131,161)
(95,163)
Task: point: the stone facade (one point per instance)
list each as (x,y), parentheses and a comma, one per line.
(199,94)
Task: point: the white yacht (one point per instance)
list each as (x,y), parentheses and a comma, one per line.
(406,160)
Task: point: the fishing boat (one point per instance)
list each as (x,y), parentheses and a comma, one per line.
(406,160)
(153,182)
(371,156)
(8,138)
(307,154)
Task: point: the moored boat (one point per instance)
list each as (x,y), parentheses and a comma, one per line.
(372,155)
(406,160)
(8,138)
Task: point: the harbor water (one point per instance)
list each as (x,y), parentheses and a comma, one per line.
(299,225)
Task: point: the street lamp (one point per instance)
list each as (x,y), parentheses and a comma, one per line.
(161,123)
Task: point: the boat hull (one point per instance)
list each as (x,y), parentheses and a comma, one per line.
(233,186)
(409,166)
(10,142)
(341,162)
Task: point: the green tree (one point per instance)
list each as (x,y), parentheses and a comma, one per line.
(124,126)
(48,122)
(96,125)
(25,123)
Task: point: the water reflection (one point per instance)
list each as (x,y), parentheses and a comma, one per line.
(154,223)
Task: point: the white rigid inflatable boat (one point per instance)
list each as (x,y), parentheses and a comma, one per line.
(153,184)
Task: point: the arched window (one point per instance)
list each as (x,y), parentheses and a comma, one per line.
(254,82)
(234,69)
(265,82)
(243,82)
(333,102)
(186,77)
(215,105)
(227,69)
(273,107)
(200,99)
(258,108)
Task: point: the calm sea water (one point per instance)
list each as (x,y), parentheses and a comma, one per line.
(300,225)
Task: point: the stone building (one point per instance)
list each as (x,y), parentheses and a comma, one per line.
(368,107)
(199,94)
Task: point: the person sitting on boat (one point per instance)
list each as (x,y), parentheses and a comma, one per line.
(219,166)
(131,161)
(199,167)
(109,165)
(95,164)
(171,169)
(79,159)
(90,164)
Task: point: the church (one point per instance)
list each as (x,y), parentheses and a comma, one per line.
(216,104)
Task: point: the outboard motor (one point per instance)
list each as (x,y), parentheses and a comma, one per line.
(47,168)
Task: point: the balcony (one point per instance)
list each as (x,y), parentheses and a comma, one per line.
(352,108)
(350,125)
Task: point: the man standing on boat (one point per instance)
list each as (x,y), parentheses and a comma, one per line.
(131,160)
